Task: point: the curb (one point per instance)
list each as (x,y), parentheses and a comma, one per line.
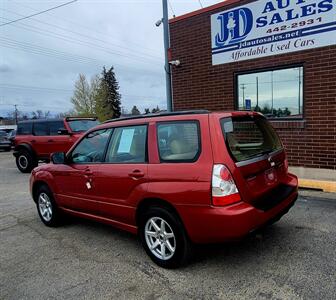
(326,186)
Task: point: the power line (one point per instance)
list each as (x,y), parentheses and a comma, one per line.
(33,88)
(39,13)
(139,54)
(85,43)
(66,56)
(31,48)
(95,31)
(51,89)
(171,8)
(200,3)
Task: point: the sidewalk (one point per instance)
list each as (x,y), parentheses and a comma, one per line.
(322,179)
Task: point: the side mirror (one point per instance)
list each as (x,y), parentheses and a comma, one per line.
(58,158)
(63,132)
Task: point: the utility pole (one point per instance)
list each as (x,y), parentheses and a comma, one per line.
(16,114)
(272,91)
(166,42)
(257,83)
(243,87)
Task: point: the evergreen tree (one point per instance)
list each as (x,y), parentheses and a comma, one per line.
(135,111)
(109,95)
(147,111)
(156,110)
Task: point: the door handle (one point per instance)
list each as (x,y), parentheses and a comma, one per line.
(88,172)
(50,141)
(33,141)
(136,174)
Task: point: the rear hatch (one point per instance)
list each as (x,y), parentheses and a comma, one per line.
(260,159)
(3,136)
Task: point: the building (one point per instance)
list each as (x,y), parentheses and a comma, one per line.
(277,57)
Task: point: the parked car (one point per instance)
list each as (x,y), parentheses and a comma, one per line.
(173,178)
(5,143)
(35,140)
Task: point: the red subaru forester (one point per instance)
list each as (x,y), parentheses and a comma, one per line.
(174,178)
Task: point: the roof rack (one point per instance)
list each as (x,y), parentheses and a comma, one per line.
(161,114)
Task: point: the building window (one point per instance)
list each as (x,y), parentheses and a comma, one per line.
(275,93)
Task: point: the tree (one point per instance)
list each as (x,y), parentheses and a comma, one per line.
(135,111)
(124,111)
(39,114)
(109,96)
(147,111)
(82,99)
(69,113)
(156,110)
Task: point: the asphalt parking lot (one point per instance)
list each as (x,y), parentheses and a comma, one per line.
(293,259)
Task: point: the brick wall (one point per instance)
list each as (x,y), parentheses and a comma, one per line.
(197,84)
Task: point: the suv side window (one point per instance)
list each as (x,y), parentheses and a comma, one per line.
(40,128)
(178,141)
(128,145)
(25,128)
(91,148)
(54,126)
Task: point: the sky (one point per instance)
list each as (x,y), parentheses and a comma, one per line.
(41,57)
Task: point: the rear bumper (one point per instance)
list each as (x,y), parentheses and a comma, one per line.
(207,224)
(5,145)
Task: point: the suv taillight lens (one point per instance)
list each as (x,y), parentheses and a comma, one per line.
(224,189)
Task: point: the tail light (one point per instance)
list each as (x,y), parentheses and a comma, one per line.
(224,189)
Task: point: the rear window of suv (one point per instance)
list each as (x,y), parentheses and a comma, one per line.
(82,125)
(25,128)
(249,137)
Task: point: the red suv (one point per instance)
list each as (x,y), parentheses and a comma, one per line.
(36,139)
(174,178)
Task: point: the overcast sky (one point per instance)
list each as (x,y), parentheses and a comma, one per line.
(41,57)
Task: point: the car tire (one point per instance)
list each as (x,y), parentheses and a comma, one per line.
(25,161)
(168,246)
(46,206)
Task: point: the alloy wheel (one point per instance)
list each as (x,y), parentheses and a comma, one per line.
(45,207)
(160,238)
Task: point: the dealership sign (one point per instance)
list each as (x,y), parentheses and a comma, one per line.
(264,28)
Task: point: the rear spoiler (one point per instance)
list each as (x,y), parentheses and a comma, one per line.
(81,118)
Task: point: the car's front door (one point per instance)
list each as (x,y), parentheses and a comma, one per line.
(123,177)
(75,180)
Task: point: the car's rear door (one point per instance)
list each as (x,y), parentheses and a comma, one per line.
(181,162)
(122,178)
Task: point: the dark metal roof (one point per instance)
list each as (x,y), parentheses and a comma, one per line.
(39,120)
(162,114)
(58,119)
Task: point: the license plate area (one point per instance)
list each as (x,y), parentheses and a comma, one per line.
(270,176)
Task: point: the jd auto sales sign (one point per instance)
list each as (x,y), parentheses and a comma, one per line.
(264,28)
